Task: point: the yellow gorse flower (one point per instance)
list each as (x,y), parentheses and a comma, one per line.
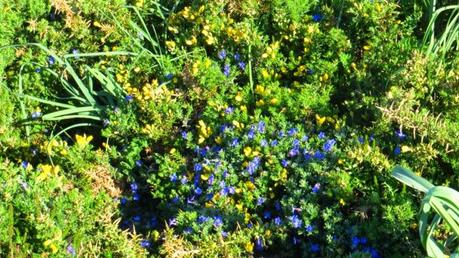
(82,140)
(47,170)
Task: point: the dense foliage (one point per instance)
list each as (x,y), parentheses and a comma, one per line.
(223,128)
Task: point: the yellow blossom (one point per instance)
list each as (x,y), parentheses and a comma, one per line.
(191,41)
(238,97)
(247,151)
(83,141)
(320,120)
(46,171)
(342,202)
(170,45)
(249,247)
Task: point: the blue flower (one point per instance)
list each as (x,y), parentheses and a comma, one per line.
(36,114)
(136,197)
(397,150)
(176,199)
(355,241)
(224,234)
(328,145)
(202,219)
(51,60)
(241,65)
(128,98)
(296,221)
(134,187)
(277,205)
(197,167)
(263,143)
(184,135)
(292,131)
(136,218)
(226,70)
(321,135)
(222,54)
(274,143)
(172,222)
(361,140)
(229,110)
(187,230)
(71,250)
(237,57)
(123,200)
(75,52)
(267,214)
(310,71)
(259,244)
(363,240)
(309,228)
(198,191)
(211,179)
(184,180)
(315,248)
(173,177)
(293,152)
(37,70)
(169,76)
(218,222)
(138,163)
(277,221)
(316,188)
(400,134)
(284,163)
(281,134)
(261,127)
(251,133)
(260,200)
(319,155)
(24,164)
(234,142)
(317,17)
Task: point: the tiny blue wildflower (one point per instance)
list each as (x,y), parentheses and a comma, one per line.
(136,197)
(281,134)
(36,114)
(310,71)
(175,200)
(136,218)
(361,140)
(169,76)
(277,205)
(292,131)
(218,222)
(224,234)
(400,134)
(222,54)
(128,98)
(202,219)
(277,221)
(134,187)
(284,163)
(234,142)
(37,70)
(75,52)
(184,135)
(24,164)
(105,122)
(261,127)
(317,17)
(187,230)
(198,191)
(267,214)
(71,250)
(319,155)
(260,200)
(321,135)
(184,180)
(173,177)
(51,60)
(249,225)
(197,167)
(309,228)
(237,57)
(226,70)
(123,200)
(258,244)
(296,221)
(229,110)
(263,143)
(241,65)
(138,163)
(355,241)
(328,145)
(172,222)
(211,179)
(363,240)
(251,133)
(316,188)
(274,143)
(397,150)
(315,248)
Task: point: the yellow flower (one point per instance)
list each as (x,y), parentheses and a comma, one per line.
(249,247)
(170,45)
(49,243)
(260,89)
(191,41)
(238,97)
(342,202)
(83,141)
(47,170)
(406,149)
(320,120)
(247,151)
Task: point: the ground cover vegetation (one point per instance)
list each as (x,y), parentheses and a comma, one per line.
(160,128)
